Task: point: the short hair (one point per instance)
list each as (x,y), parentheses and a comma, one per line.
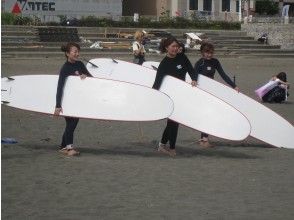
(138,34)
(206,47)
(166,42)
(67,47)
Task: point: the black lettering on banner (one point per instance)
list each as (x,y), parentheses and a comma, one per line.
(51,6)
(31,6)
(38,4)
(45,6)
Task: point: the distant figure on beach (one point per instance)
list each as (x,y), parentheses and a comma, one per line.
(263,39)
(207,65)
(177,65)
(276,90)
(72,67)
(285,10)
(138,48)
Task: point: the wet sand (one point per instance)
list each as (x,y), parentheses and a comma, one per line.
(119,174)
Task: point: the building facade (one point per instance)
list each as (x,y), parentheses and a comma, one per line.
(231,10)
(216,9)
(51,10)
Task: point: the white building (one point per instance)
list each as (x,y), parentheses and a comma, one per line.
(213,9)
(50,10)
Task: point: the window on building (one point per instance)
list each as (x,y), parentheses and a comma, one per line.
(237,6)
(226,5)
(207,5)
(193,5)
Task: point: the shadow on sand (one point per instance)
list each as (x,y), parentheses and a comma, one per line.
(139,149)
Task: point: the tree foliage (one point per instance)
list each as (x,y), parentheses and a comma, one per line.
(266,7)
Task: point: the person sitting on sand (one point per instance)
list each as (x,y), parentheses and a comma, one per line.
(280,92)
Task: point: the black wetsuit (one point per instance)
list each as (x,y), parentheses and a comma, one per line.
(68,69)
(176,67)
(207,68)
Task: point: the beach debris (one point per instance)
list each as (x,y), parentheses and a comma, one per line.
(97,45)
(8,141)
(46,139)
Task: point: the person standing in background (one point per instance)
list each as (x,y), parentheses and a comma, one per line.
(138,48)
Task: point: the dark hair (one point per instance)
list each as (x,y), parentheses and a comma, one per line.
(206,47)
(282,76)
(182,45)
(66,48)
(166,42)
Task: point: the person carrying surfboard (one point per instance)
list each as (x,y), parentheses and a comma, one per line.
(207,65)
(72,67)
(177,65)
(138,48)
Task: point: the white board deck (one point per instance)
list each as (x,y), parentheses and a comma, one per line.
(266,125)
(193,107)
(90,98)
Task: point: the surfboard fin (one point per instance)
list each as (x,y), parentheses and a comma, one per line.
(155,68)
(93,64)
(114,61)
(5,102)
(90,62)
(10,78)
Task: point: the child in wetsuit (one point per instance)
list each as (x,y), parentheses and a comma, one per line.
(207,65)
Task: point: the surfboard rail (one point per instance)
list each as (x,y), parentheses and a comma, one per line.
(129,72)
(281,136)
(119,101)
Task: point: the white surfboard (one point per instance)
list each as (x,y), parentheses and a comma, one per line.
(266,125)
(90,98)
(193,107)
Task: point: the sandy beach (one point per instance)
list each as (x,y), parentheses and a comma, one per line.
(119,174)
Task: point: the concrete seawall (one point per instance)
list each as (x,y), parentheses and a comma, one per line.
(278,34)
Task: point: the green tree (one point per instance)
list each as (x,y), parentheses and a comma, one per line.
(267,7)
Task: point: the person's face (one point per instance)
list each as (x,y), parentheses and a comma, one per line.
(73,54)
(172,49)
(140,38)
(207,55)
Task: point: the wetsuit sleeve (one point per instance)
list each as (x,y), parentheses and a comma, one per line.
(159,77)
(197,67)
(84,70)
(222,73)
(60,85)
(193,74)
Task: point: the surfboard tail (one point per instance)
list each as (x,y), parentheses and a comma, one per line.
(5,102)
